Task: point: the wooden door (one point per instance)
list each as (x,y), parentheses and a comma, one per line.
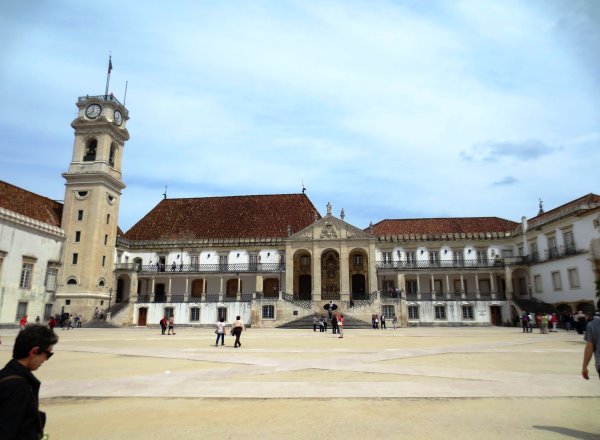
(142,316)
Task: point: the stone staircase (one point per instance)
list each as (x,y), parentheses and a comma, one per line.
(306,322)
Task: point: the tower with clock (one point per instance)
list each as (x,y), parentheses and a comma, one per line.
(91,206)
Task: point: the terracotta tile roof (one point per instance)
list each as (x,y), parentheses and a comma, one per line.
(262,216)
(442,226)
(591,199)
(30,204)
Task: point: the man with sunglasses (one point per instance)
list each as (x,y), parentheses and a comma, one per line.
(20,417)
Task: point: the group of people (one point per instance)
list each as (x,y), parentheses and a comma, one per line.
(167,325)
(337,324)
(549,322)
(236,330)
(379,321)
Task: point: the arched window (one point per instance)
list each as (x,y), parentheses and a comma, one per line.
(113,151)
(72,281)
(90,150)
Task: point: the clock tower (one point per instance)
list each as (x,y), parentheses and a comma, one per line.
(91,208)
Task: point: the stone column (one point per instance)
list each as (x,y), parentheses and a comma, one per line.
(289,271)
(316,273)
(477,291)
(203,295)
(509,284)
(169,290)
(258,284)
(418,287)
(433,291)
(221,293)
(344,273)
(239,288)
(186,293)
(462,287)
(492,286)
(448,289)
(152,289)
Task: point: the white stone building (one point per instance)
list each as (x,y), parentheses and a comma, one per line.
(272,259)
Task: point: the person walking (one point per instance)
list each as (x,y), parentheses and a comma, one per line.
(395,322)
(220,331)
(23,323)
(340,321)
(592,346)
(171,330)
(383,326)
(163,324)
(20,416)
(236,330)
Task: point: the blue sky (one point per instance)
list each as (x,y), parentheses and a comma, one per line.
(388,109)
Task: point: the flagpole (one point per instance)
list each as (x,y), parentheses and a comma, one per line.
(108,76)
(125,97)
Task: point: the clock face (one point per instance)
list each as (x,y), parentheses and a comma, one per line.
(93,111)
(118,117)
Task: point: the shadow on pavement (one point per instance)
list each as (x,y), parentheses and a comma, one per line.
(569,432)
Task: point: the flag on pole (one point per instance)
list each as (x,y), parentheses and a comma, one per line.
(109,64)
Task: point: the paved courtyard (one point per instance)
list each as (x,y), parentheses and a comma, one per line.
(417,383)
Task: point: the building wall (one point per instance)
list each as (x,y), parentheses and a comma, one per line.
(21,237)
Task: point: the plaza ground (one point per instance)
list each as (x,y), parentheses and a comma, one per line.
(416,383)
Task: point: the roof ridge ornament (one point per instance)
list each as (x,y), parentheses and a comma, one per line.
(328,209)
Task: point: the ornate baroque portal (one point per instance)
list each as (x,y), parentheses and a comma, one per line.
(330,275)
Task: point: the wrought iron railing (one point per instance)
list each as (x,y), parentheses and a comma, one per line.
(302,303)
(442,264)
(109,98)
(213,268)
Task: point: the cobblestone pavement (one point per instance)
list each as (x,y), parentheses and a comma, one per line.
(417,382)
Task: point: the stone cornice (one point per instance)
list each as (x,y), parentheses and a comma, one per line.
(28,222)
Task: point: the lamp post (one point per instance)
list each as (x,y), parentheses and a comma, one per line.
(110,291)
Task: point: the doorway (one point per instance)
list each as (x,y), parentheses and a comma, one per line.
(142,316)
(496,315)
(304,287)
(358,286)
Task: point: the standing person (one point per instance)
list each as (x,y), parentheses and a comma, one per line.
(330,310)
(171,330)
(22,322)
(37,320)
(334,325)
(236,330)
(544,323)
(592,339)
(383,326)
(220,331)
(340,321)
(553,320)
(315,323)
(163,324)
(525,322)
(395,322)
(20,417)
(52,323)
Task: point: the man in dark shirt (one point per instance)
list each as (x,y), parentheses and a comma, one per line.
(20,417)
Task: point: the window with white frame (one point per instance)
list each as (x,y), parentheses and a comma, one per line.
(569,242)
(21,310)
(458,257)
(253,260)
(482,257)
(194,314)
(268,311)
(434,258)
(388,311)
(47,311)
(537,283)
(440,312)
(26,275)
(169,311)
(413,312)
(411,259)
(223,262)
(552,249)
(387,257)
(411,287)
(467,312)
(556,281)
(222,313)
(533,250)
(195,261)
(573,278)
(51,274)
(358,260)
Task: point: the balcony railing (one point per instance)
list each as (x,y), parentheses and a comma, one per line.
(109,98)
(560,251)
(213,268)
(442,264)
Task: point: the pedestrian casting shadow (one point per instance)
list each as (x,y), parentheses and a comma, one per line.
(569,432)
